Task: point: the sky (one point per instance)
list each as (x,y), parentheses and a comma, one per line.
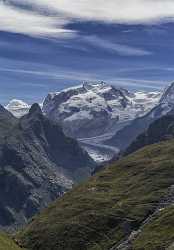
(48,45)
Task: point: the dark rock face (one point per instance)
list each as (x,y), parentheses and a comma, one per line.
(7,120)
(38,163)
(160,130)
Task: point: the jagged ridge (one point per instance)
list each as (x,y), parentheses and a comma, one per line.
(38,163)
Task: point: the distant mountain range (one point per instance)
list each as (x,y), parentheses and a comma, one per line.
(104,118)
(91,109)
(38,163)
(93,113)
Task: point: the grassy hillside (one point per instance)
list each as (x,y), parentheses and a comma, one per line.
(103,211)
(7,244)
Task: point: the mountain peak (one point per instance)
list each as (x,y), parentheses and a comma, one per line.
(35,109)
(15,104)
(87,84)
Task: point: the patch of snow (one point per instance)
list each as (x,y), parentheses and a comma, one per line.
(72,88)
(81,115)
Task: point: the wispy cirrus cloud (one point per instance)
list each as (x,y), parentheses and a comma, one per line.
(56,74)
(120,49)
(60,73)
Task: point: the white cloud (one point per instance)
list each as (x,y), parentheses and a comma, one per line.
(60,12)
(118,11)
(18,20)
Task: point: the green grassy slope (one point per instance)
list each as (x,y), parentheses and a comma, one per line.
(7,244)
(103,211)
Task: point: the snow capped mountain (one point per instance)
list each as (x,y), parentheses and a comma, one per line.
(18,108)
(92,109)
(103,117)
(93,113)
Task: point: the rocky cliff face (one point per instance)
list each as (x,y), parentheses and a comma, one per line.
(38,163)
(92,109)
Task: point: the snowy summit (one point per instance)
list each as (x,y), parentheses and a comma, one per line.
(17,107)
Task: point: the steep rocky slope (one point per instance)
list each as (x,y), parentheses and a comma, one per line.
(104,212)
(92,109)
(7,120)
(38,163)
(124,137)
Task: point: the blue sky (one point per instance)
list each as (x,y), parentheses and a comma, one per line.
(49,45)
